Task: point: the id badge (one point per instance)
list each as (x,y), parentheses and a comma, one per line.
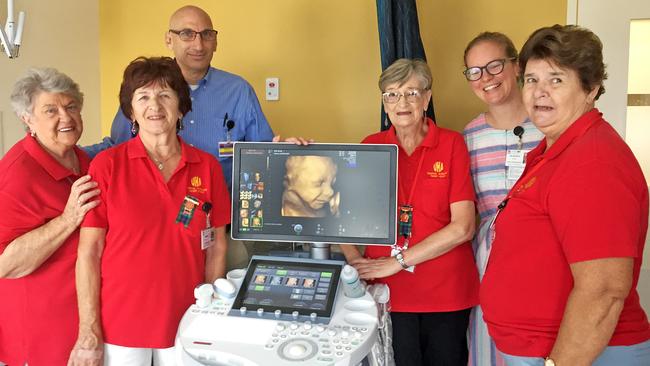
(207,238)
(516,158)
(514,172)
(396,250)
(225,149)
(186,211)
(405,220)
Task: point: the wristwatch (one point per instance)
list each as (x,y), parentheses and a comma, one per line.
(549,362)
(400,259)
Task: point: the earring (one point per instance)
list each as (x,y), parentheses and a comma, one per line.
(387,121)
(135,127)
(180,125)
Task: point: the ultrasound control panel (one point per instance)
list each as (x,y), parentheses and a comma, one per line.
(278,329)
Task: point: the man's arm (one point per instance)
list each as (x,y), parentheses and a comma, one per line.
(120,132)
(257,128)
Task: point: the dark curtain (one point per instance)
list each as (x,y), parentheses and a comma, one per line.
(399,37)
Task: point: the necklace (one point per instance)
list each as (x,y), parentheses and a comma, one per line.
(160,164)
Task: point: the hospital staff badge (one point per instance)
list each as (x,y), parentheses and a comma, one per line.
(186,212)
(438,170)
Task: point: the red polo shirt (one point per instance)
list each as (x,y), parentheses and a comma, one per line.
(38,312)
(588,200)
(449,282)
(151,264)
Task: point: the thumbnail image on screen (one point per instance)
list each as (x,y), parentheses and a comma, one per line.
(316,193)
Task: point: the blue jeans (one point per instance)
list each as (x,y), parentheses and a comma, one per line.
(635,355)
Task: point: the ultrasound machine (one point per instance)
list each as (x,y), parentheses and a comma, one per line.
(290,310)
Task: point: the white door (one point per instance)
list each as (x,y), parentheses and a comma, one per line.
(626,102)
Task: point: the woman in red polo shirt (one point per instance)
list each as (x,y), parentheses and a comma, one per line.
(560,285)
(141,252)
(44,195)
(431,272)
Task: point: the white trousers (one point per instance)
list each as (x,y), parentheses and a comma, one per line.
(128,356)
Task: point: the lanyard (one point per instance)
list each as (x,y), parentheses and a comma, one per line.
(415,179)
(406,210)
(518,187)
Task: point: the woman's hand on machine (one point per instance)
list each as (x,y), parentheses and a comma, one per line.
(370,269)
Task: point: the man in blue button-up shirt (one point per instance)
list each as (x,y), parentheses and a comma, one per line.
(224,106)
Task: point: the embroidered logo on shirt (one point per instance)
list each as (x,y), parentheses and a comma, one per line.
(526,185)
(195,185)
(438,170)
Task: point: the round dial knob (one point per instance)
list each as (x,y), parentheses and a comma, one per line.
(297,350)
(203,295)
(225,288)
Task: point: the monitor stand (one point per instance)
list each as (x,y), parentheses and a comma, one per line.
(319,250)
(316,251)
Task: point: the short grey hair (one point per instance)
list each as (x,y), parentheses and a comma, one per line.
(401,71)
(40,80)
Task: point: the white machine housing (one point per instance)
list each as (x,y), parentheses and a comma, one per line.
(209,336)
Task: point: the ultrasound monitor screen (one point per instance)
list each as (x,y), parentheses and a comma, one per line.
(332,193)
(290,284)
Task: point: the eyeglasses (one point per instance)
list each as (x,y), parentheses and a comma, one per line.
(410,96)
(494,67)
(189,35)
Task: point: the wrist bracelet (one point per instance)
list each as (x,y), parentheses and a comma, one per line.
(400,259)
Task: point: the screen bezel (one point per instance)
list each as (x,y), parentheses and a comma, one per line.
(392,200)
(330,265)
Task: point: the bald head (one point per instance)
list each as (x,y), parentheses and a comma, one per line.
(189,12)
(193,56)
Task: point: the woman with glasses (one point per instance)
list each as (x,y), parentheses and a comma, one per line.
(497,140)
(431,273)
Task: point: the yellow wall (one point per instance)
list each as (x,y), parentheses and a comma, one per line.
(61,34)
(325,52)
(447,26)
